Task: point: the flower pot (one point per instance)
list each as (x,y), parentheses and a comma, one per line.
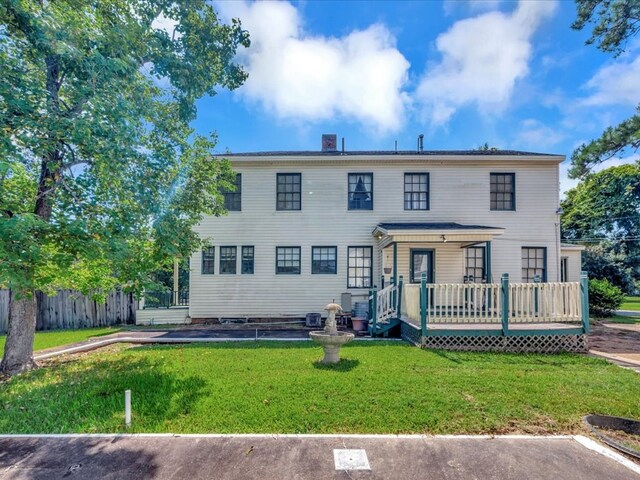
(359,324)
(387,270)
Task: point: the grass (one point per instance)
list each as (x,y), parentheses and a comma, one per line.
(622,319)
(270,387)
(631,303)
(55,338)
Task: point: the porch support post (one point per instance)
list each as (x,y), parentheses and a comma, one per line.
(505,304)
(399,303)
(374,312)
(423,304)
(395,262)
(584,297)
(488,260)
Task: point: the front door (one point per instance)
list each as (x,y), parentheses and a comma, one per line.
(421,262)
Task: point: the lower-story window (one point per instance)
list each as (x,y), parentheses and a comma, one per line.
(360,267)
(323,260)
(287,260)
(534,263)
(208,260)
(475,264)
(228,260)
(248,254)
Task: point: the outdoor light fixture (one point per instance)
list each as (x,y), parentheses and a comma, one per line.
(444,239)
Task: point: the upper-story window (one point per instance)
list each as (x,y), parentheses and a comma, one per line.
(208,260)
(416,191)
(503,191)
(360,191)
(233,197)
(289,187)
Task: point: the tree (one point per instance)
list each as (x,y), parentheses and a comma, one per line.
(615,22)
(605,208)
(101,177)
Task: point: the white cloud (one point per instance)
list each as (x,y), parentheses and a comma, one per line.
(617,83)
(303,77)
(534,133)
(167,24)
(482,58)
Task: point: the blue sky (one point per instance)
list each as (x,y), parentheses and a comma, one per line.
(512,74)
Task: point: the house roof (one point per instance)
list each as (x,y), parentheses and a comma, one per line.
(433,226)
(392,153)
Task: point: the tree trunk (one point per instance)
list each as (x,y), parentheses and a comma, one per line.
(18,351)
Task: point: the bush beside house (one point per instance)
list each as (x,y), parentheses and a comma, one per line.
(604,297)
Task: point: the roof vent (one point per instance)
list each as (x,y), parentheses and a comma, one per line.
(421,143)
(329,142)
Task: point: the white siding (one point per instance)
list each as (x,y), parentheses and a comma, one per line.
(459,192)
(574,264)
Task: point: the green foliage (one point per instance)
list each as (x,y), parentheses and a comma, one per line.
(613,142)
(615,22)
(101,177)
(604,297)
(605,208)
(603,263)
(276,387)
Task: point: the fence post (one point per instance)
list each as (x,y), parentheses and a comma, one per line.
(505,304)
(399,302)
(584,297)
(423,304)
(374,307)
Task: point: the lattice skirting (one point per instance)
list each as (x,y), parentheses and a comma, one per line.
(410,333)
(516,344)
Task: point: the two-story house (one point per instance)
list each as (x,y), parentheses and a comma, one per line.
(305,227)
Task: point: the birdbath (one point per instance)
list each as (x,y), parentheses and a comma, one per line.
(330,338)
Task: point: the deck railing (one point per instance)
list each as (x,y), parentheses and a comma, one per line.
(497,303)
(166,299)
(544,302)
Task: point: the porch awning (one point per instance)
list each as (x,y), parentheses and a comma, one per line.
(387,233)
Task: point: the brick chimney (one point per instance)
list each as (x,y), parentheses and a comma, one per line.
(329,142)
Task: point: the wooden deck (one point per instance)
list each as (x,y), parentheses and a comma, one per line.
(541,326)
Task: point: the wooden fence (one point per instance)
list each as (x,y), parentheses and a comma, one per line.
(69,310)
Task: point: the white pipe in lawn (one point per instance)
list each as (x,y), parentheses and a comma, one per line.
(127,408)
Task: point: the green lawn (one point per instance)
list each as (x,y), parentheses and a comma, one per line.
(55,338)
(631,303)
(278,387)
(622,319)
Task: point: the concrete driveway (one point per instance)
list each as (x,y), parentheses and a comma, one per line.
(307,457)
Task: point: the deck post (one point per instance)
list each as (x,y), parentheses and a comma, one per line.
(399,302)
(395,263)
(423,304)
(505,304)
(393,293)
(374,311)
(584,297)
(487,273)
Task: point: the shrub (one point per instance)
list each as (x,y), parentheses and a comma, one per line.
(604,297)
